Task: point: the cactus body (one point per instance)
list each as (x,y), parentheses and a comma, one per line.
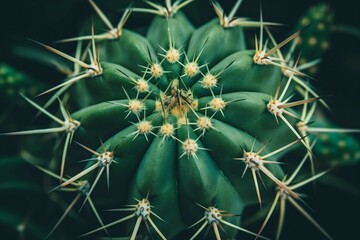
(158,163)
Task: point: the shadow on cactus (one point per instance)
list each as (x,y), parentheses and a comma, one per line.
(178,131)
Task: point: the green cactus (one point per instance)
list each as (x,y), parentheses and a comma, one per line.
(12,81)
(180,129)
(335,146)
(316,40)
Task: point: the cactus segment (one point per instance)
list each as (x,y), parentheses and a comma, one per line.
(170,36)
(135,51)
(237,72)
(160,185)
(215,48)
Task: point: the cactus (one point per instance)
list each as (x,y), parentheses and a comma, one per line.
(177,131)
(12,82)
(317,38)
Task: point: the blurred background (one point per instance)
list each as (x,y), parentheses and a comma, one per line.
(338,75)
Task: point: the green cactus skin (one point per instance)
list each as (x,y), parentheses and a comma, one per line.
(184,120)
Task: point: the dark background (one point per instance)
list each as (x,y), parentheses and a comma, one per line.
(337,211)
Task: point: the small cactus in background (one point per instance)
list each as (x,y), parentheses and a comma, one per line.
(179,130)
(315,42)
(13,82)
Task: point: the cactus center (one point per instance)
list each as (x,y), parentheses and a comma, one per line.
(177,101)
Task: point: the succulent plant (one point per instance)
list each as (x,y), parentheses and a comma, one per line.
(180,129)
